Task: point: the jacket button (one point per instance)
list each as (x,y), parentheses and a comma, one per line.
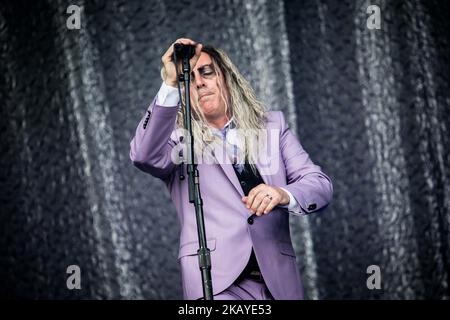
(250,220)
(312,206)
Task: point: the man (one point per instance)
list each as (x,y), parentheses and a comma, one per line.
(247,200)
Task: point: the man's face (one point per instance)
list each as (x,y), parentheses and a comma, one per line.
(205,88)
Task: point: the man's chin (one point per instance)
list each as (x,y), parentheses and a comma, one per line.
(207,109)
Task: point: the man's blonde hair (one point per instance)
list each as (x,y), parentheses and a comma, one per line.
(249,114)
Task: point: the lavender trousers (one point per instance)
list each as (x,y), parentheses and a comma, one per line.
(246,289)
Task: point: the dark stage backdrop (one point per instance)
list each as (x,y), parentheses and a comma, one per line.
(370,106)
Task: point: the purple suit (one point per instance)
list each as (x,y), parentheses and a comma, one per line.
(229,236)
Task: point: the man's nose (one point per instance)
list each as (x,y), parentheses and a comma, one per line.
(199,82)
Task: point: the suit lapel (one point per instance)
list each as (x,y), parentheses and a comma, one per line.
(265,173)
(231,175)
(265,166)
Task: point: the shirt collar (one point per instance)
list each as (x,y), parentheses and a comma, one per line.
(225,128)
(228,123)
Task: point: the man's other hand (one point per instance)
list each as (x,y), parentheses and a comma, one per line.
(263,198)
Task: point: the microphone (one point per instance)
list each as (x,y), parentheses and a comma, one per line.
(183,51)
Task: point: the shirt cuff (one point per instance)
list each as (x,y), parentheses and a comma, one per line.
(293,204)
(167,96)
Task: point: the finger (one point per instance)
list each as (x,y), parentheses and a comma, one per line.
(270,206)
(257,203)
(198,51)
(167,57)
(262,207)
(185,41)
(244,199)
(252,194)
(252,198)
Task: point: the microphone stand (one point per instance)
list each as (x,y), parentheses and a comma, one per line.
(204,257)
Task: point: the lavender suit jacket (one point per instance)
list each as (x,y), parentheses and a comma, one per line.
(229,235)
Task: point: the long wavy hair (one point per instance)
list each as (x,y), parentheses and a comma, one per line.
(249,114)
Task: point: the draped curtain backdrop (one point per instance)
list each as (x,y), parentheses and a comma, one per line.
(370,106)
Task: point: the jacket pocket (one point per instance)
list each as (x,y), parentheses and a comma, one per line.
(190,248)
(286,248)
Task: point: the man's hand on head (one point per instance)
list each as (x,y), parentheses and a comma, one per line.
(263,198)
(168,71)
